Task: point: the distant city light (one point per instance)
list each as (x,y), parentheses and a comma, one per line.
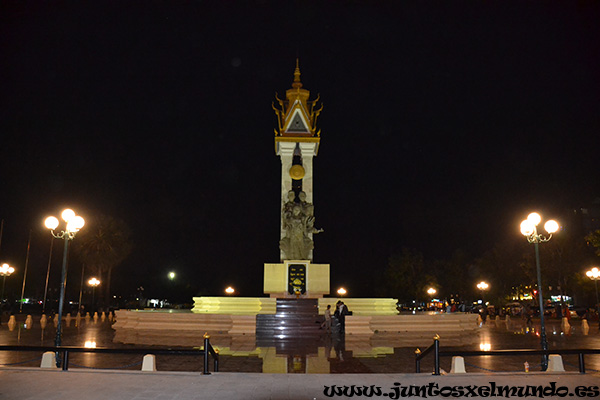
(230,290)
(171,275)
(341,291)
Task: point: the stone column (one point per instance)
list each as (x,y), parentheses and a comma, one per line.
(286,153)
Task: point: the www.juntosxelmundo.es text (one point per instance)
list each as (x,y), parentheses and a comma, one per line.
(434,390)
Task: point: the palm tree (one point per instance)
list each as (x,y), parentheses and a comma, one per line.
(103,245)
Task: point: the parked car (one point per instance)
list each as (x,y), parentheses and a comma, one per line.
(513,309)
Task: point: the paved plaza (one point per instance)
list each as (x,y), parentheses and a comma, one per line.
(34,383)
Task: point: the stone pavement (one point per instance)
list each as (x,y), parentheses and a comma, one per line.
(34,383)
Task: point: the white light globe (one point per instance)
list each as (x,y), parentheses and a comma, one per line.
(527,227)
(78,222)
(551,226)
(68,214)
(51,223)
(534,218)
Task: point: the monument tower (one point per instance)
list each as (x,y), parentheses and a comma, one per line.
(296,143)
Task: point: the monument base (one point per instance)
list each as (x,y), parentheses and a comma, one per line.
(296,279)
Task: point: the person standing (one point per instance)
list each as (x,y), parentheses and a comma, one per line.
(327,322)
(342,316)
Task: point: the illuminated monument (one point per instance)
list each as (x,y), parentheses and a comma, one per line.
(296,287)
(296,143)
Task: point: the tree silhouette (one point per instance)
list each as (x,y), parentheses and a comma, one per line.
(103,245)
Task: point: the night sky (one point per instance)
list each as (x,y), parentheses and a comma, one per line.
(444,124)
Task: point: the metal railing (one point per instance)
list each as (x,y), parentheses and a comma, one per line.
(63,352)
(437,354)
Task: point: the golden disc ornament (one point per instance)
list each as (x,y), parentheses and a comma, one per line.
(297,172)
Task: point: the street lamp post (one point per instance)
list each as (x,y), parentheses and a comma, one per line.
(482,286)
(5,270)
(594,274)
(73,224)
(431,292)
(93,283)
(529,230)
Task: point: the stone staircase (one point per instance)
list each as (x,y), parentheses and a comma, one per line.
(294,321)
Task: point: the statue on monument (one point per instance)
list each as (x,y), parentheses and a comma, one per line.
(299,223)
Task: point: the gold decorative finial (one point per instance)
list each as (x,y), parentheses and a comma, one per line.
(297,84)
(436,337)
(418,351)
(206,335)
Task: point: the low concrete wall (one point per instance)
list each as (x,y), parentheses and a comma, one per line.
(130,325)
(425,323)
(184,322)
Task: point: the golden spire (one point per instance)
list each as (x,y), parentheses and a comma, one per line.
(297,84)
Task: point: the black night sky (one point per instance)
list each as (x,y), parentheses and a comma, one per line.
(444,124)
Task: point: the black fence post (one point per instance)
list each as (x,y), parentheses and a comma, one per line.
(436,343)
(417,361)
(581,363)
(65,360)
(205,370)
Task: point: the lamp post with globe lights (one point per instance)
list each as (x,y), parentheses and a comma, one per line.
(73,224)
(5,270)
(482,286)
(431,292)
(594,274)
(529,230)
(93,282)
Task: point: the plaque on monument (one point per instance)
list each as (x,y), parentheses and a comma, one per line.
(297,279)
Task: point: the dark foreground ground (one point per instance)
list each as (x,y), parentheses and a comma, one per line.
(125,385)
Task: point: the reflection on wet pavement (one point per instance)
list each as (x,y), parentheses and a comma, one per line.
(323,353)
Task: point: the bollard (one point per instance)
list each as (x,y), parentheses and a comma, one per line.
(555,363)
(48,360)
(103,316)
(585,328)
(28,322)
(12,322)
(43,321)
(149,363)
(458,365)
(566,326)
(96,316)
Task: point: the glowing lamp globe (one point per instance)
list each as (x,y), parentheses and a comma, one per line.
(527,227)
(68,214)
(551,226)
(75,224)
(51,223)
(534,218)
